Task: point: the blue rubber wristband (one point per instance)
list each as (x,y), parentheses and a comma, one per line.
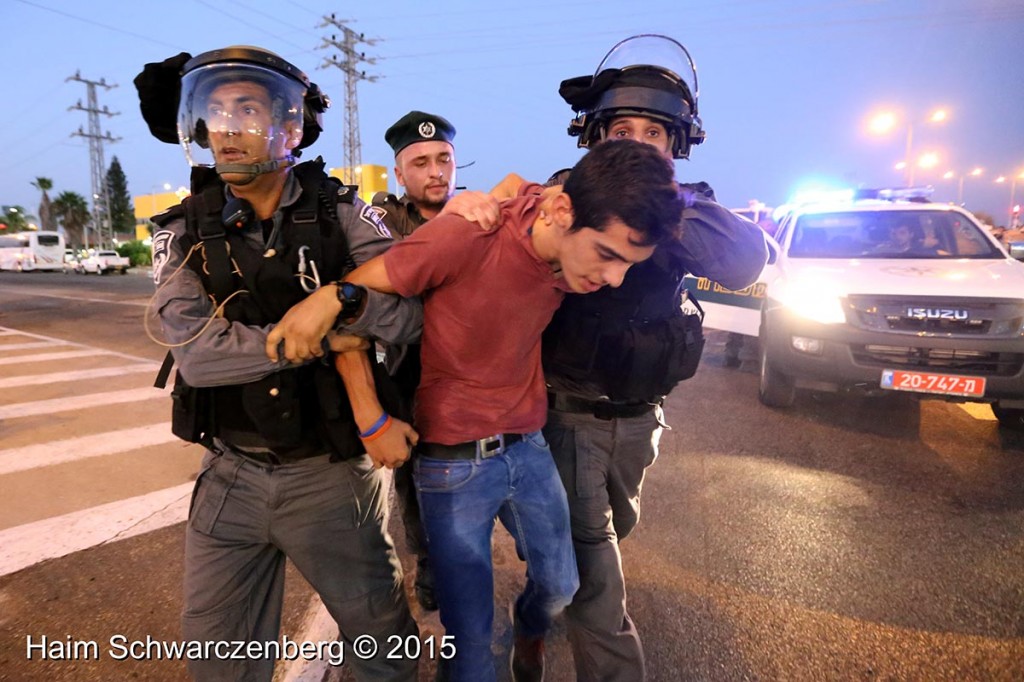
(376,426)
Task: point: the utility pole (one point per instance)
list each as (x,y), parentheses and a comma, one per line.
(349,63)
(100,200)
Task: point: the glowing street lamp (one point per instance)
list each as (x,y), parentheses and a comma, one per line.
(884,122)
(929,160)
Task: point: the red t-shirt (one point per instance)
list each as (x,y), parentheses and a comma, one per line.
(487,296)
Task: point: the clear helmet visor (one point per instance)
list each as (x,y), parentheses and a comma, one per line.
(239,113)
(657,51)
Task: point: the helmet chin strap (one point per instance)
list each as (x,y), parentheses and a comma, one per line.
(253,170)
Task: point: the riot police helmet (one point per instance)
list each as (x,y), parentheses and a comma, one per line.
(250,95)
(646,75)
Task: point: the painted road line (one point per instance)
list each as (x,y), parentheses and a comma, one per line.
(4,331)
(47,357)
(980,411)
(47,294)
(26,346)
(83,447)
(27,545)
(78,375)
(80,402)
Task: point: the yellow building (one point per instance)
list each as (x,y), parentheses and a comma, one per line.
(371,179)
(148,205)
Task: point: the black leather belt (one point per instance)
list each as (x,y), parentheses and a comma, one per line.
(602,409)
(485,447)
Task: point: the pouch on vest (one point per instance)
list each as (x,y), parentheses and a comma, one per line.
(189,410)
(654,355)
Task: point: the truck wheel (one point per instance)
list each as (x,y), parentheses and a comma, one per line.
(775,388)
(1009,417)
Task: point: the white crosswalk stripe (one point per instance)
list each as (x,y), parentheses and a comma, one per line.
(50,357)
(25,346)
(59,536)
(79,375)
(86,452)
(79,402)
(95,445)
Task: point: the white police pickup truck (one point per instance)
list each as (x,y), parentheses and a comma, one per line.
(890,293)
(102,262)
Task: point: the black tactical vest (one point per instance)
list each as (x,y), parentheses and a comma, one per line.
(634,342)
(298,412)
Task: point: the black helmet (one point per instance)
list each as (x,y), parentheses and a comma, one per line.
(174,97)
(645,75)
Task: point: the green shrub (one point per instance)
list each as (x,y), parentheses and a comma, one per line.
(139,253)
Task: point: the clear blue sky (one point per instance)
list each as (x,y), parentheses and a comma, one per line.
(786,86)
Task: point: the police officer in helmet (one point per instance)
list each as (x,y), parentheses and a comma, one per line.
(611,357)
(292,462)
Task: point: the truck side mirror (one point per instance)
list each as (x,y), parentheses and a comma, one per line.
(1016,250)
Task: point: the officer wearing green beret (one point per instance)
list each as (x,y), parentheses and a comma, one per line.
(425,167)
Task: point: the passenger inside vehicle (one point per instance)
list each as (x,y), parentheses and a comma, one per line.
(909,239)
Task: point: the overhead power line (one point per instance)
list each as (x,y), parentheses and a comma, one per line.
(349,59)
(100,200)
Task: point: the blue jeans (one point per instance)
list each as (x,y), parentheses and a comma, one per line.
(459,500)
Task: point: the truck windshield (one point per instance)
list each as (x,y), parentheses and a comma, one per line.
(889,234)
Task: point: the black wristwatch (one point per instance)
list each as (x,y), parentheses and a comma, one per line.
(351,298)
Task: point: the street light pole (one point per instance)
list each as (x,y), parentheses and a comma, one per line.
(906,155)
(960,191)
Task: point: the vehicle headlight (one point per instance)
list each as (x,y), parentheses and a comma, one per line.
(811,299)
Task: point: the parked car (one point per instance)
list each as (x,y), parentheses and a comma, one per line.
(102,262)
(890,293)
(71,261)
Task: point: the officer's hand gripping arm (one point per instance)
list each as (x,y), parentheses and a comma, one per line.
(481,208)
(304,326)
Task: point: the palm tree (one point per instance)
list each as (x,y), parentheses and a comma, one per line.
(46,217)
(73,212)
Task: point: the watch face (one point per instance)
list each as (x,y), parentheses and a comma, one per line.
(351,297)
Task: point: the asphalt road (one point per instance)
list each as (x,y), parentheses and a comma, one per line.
(845,538)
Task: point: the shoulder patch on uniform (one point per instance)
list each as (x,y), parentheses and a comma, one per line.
(380,211)
(372,216)
(161,252)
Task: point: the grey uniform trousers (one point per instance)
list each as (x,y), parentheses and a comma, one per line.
(602,465)
(327,517)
